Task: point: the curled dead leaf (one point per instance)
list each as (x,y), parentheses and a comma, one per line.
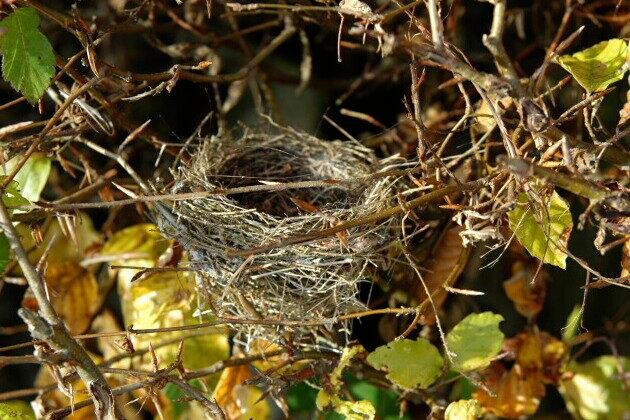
(517,391)
(444,268)
(528,297)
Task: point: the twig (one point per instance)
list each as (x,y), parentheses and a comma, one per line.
(494,43)
(365,220)
(161,378)
(51,329)
(437,29)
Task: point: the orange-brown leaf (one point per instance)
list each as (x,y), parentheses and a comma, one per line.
(443,269)
(516,393)
(528,297)
(226,392)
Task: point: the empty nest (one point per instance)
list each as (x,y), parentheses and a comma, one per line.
(314,280)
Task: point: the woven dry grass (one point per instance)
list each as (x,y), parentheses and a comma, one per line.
(308,281)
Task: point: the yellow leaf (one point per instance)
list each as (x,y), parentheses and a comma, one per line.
(162,299)
(463,410)
(71,242)
(73,292)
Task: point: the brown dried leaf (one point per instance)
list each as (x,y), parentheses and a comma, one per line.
(239,400)
(528,298)
(226,392)
(516,393)
(444,267)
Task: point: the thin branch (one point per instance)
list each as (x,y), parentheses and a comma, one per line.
(51,329)
(365,220)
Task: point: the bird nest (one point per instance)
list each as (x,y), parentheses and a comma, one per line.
(313,280)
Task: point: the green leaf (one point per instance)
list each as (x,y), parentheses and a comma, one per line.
(475,341)
(5,252)
(12,196)
(544,232)
(410,364)
(463,410)
(599,66)
(16,409)
(573,324)
(32,177)
(595,390)
(28,58)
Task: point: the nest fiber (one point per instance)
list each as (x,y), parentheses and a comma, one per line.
(314,280)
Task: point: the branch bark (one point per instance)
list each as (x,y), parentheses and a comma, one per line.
(47,326)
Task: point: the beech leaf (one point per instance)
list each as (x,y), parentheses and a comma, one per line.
(595,390)
(16,409)
(463,410)
(32,177)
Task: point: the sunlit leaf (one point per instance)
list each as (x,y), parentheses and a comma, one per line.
(73,240)
(356,410)
(528,297)
(16,409)
(409,363)
(475,341)
(463,410)
(595,389)
(538,352)
(74,294)
(516,389)
(237,399)
(136,246)
(161,299)
(32,177)
(513,393)
(599,66)
(544,232)
(28,59)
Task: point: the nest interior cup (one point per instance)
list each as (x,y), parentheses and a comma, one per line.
(313,280)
